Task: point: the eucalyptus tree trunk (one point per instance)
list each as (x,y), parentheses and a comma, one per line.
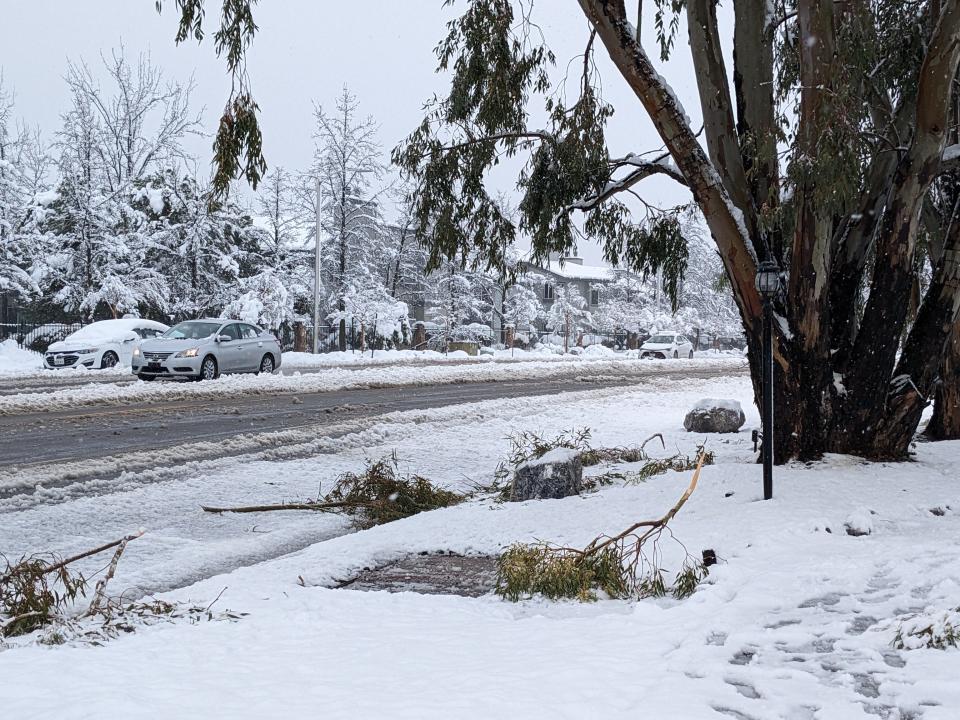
(868,399)
(945,423)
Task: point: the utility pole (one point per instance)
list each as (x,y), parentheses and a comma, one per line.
(316,279)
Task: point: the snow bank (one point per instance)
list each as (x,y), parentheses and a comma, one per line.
(543,352)
(14,360)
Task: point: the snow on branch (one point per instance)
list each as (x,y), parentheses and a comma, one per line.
(642,169)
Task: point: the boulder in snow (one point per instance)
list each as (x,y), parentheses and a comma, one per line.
(557,474)
(715,416)
(859,522)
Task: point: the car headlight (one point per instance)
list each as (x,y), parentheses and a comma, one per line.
(85,351)
(192,352)
(136,352)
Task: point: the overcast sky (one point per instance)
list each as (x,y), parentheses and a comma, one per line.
(305,52)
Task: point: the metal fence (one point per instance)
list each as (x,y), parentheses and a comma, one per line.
(329,338)
(37,336)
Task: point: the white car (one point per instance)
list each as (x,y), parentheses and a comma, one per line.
(102,344)
(665,345)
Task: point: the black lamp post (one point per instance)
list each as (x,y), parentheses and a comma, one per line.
(768,285)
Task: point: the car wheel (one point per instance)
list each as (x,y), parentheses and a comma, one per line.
(690,355)
(266,365)
(209,369)
(146,378)
(675,354)
(109,360)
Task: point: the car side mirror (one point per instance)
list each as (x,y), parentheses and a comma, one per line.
(224,338)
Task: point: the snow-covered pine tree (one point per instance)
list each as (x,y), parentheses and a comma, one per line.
(204,247)
(623,302)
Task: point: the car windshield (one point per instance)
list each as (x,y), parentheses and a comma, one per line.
(191,330)
(662,339)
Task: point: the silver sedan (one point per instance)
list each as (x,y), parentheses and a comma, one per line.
(203,349)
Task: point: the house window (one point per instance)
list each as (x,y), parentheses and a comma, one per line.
(594,297)
(547,291)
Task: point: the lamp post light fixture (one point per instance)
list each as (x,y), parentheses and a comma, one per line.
(768,285)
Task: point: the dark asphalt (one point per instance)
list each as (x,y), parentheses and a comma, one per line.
(32,439)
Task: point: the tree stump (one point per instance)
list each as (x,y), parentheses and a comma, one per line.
(299,337)
(558,474)
(419,336)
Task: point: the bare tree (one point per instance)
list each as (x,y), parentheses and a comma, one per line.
(140,120)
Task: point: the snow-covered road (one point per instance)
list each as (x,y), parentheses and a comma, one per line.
(340,378)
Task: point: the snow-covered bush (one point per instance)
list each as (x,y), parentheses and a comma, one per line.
(932,629)
(379,316)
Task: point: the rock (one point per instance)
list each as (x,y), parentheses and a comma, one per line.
(715,416)
(558,474)
(859,522)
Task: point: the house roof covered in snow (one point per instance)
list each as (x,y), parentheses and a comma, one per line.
(573,269)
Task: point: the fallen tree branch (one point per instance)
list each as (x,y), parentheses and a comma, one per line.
(318,506)
(655,435)
(620,566)
(87,553)
(379,494)
(10,622)
(101,588)
(653,525)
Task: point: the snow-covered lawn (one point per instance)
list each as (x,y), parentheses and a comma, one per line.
(797,620)
(338,378)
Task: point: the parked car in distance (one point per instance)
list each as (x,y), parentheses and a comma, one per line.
(203,349)
(665,345)
(102,344)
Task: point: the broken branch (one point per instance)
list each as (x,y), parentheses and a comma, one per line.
(101,589)
(320,507)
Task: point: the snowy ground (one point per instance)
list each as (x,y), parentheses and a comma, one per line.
(796,622)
